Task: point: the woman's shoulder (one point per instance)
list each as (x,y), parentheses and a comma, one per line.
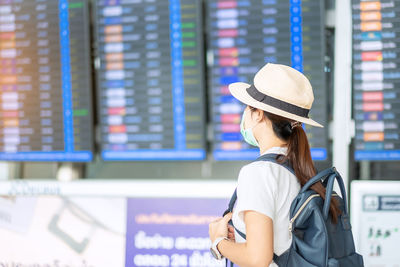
(256,170)
(264,166)
(264,170)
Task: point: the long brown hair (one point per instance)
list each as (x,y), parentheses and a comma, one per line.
(299,156)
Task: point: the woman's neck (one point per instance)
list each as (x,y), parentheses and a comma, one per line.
(266,138)
(268,144)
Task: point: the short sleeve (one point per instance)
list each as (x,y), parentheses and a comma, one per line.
(256,190)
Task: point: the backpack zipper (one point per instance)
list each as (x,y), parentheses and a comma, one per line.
(301,209)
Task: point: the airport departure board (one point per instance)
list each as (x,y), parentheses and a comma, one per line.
(150,79)
(376,79)
(45,86)
(243,35)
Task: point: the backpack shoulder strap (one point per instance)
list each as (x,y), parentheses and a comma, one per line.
(272,157)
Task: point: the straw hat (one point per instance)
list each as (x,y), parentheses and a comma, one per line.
(280,90)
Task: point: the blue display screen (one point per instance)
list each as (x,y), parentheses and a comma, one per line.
(45,82)
(242,37)
(375,80)
(150,80)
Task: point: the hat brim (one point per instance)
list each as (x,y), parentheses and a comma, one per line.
(238,90)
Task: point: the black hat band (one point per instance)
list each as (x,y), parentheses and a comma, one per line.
(276,103)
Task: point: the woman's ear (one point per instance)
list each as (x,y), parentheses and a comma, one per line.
(259,115)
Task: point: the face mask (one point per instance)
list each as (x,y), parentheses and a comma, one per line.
(247,133)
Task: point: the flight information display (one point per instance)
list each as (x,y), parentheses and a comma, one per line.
(243,35)
(45,86)
(150,79)
(376,79)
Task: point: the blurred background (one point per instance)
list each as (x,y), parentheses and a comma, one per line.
(117,125)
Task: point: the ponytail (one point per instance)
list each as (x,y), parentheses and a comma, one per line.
(299,156)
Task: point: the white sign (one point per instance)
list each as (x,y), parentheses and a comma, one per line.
(375,218)
(87,223)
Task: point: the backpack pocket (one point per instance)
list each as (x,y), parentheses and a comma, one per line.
(353,260)
(296,260)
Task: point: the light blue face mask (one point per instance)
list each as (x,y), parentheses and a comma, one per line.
(247,133)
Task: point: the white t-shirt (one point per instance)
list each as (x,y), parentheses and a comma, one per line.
(267,188)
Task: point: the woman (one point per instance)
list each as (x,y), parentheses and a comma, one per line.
(277,103)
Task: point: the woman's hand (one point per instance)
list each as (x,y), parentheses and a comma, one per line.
(231,233)
(219,227)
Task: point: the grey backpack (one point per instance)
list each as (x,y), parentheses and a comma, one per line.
(316,241)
